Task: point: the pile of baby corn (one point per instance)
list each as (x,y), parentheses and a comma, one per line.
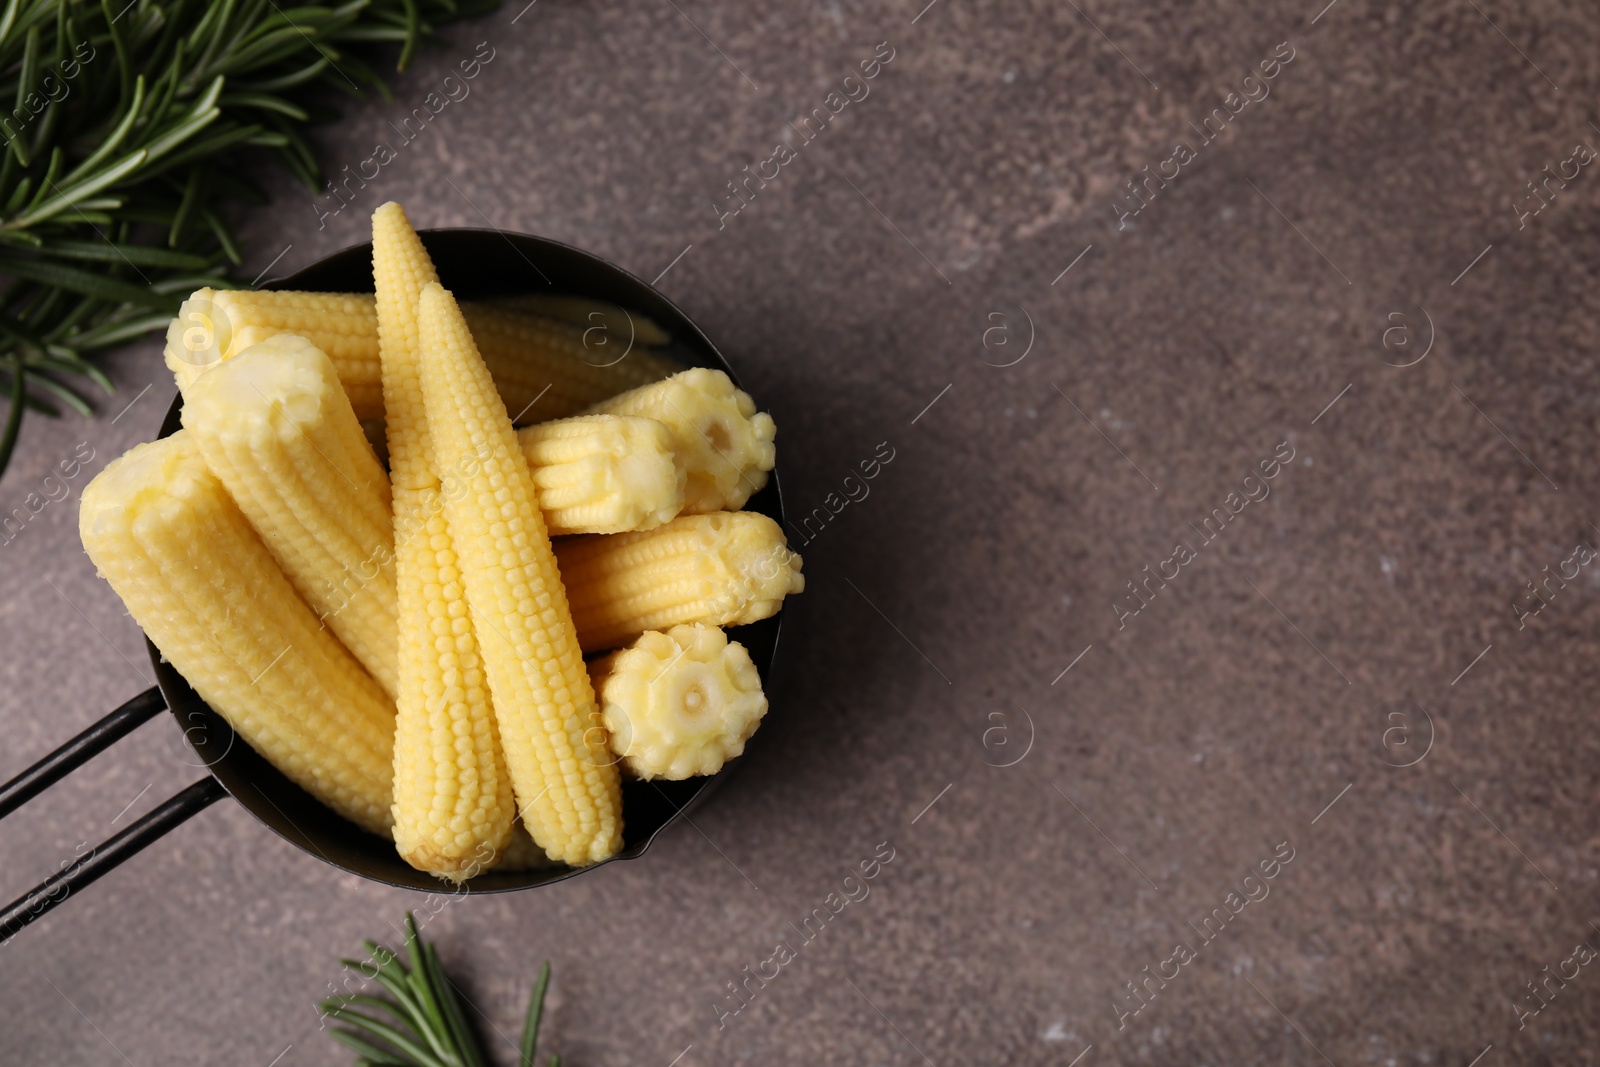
(408,646)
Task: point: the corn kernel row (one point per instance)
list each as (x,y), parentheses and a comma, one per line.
(544,368)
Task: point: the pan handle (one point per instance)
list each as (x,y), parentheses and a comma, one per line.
(75,753)
(100,859)
(103,857)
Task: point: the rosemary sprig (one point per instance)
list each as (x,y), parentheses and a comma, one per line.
(420,1023)
(131,130)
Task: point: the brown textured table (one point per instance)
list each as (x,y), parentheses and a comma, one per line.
(939,273)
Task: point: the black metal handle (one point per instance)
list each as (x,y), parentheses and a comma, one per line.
(103,857)
(100,859)
(80,750)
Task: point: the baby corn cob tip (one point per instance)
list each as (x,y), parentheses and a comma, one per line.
(727,568)
(568,793)
(603,473)
(724,443)
(401,268)
(274,425)
(165,534)
(679,703)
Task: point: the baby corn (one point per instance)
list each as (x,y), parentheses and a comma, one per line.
(620,324)
(722,569)
(679,703)
(544,369)
(547,370)
(453,797)
(452,793)
(567,791)
(276,428)
(593,473)
(215,325)
(724,444)
(603,473)
(164,532)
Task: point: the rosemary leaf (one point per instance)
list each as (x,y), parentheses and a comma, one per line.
(428,1027)
(131,132)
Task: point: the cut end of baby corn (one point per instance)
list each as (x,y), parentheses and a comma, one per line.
(567,791)
(274,424)
(723,569)
(215,325)
(617,323)
(679,703)
(724,444)
(603,473)
(163,531)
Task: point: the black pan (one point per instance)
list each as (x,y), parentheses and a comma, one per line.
(473,264)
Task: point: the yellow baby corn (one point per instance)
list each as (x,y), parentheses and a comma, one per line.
(679,703)
(603,473)
(568,793)
(724,569)
(547,370)
(619,323)
(453,796)
(724,444)
(275,426)
(216,325)
(164,532)
(560,365)
(593,473)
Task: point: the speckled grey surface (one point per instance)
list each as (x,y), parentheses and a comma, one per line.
(1289,666)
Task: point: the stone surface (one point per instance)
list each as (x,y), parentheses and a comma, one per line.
(865,294)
